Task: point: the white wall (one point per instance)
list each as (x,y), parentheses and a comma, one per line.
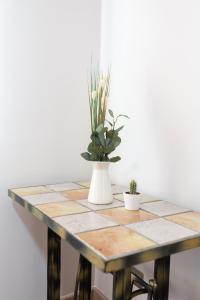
(45,53)
(153,48)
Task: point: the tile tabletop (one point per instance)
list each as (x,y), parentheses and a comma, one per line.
(108,233)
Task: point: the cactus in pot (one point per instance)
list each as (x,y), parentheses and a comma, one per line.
(132,198)
(133,187)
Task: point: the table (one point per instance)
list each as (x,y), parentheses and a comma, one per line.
(110,237)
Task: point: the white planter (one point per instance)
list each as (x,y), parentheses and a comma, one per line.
(132,202)
(100,187)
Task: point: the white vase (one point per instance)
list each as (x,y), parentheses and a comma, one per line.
(131,201)
(100,187)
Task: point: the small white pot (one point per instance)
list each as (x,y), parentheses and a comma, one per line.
(131,201)
(100,187)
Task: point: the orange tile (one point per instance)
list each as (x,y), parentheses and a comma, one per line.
(61,208)
(115,241)
(190,220)
(76,194)
(124,216)
(32,190)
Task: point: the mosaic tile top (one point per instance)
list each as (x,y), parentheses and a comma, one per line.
(108,231)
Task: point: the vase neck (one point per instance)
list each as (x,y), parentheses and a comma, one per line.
(100,165)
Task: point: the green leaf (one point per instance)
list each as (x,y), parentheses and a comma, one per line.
(120,128)
(101,138)
(109,149)
(111,113)
(116,141)
(111,133)
(115,159)
(95,149)
(95,138)
(125,116)
(86,156)
(99,128)
(109,123)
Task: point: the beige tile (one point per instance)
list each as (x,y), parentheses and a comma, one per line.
(162,231)
(115,241)
(84,222)
(61,208)
(32,190)
(76,194)
(60,187)
(144,198)
(124,216)
(190,220)
(84,183)
(115,203)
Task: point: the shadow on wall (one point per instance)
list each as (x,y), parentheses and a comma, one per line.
(36,230)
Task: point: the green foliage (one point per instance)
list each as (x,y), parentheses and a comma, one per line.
(133,187)
(104,140)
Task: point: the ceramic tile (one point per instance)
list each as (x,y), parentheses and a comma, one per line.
(61,208)
(118,189)
(119,197)
(84,222)
(115,203)
(115,241)
(64,187)
(76,194)
(161,231)
(190,220)
(124,216)
(32,190)
(44,198)
(84,183)
(163,208)
(144,198)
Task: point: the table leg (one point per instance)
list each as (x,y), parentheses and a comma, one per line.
(53,267)
(83,280)
(122,284)
(161,275)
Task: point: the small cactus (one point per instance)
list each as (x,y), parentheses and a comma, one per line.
(133,187)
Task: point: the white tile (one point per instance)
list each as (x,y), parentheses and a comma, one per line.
(118,189)
(147,198)
(45,198)
(144,198)
(83,222)
(162,231)
(163,208)
(60,187)
(115,203)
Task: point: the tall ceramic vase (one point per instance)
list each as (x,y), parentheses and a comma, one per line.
(100,187)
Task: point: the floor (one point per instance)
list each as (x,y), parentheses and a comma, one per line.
(96,295)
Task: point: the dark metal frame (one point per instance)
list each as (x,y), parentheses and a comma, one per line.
(53,266)
(124,281)
(83,280)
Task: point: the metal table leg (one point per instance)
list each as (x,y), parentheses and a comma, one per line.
(161,275)
(122,284)
(83,280)
(53,266)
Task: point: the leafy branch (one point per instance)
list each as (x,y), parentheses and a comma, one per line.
(104,140)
